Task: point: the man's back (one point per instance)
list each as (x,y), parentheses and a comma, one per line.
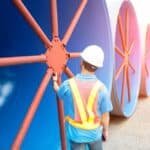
(65,93)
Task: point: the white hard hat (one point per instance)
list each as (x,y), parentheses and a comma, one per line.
(93,55)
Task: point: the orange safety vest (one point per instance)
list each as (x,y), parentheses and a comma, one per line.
(87,117)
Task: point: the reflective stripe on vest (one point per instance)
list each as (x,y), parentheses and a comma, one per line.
(87,122)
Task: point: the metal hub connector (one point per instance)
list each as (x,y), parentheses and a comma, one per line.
(56,56)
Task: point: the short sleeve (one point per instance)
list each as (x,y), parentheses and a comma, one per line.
(63,90)
(104,102)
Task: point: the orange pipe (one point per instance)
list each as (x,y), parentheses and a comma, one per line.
(74,22)
(24,11)
(32,110)
(7,61)
(54,17)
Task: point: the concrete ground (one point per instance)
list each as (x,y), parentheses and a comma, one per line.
(132,133)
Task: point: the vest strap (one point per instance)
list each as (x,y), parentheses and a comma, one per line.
(78,100)
(87,122)
(85,125)
(91,101)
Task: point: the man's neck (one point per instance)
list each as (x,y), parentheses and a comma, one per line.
(85,72)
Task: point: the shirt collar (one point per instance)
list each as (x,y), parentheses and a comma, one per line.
(87,76)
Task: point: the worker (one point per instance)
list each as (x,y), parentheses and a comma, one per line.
(86,102)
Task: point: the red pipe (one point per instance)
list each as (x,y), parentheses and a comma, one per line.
(119,70)
(121,33)
(61,112)
(32,110)
(131,48)
(123,87)
(147,70)
(54,17)
(61,120)
(119,52)
(74,55)
(74,22)
(128,84)
(132,68)
(24,11)
(61,123)
(7,61)
(68,72)
(126,27)
(26,123)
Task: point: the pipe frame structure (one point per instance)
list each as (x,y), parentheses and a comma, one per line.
(124,53)
(44,58)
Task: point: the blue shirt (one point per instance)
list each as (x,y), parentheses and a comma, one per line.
(104,105)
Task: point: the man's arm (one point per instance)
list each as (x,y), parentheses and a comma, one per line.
(105,108)
(105,123)
(55,83)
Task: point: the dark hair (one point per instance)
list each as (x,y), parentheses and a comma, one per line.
(89,67)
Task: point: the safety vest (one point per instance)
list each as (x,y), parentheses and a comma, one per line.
(87,117)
